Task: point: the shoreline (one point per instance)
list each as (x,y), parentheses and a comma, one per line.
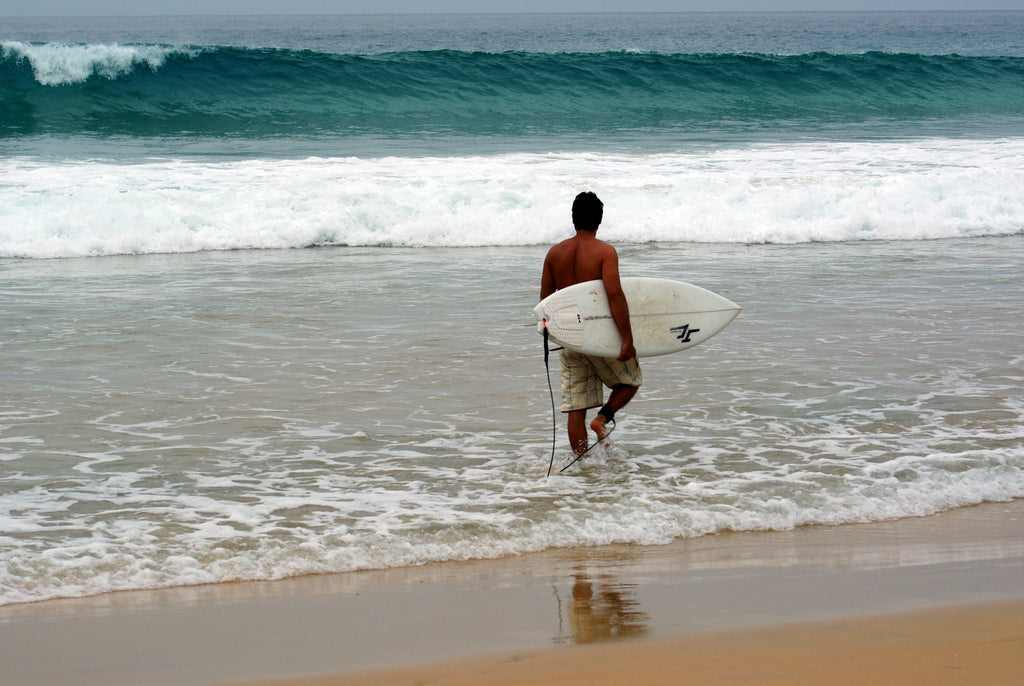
(965,563)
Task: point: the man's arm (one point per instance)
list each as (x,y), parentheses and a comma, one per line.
(617,304)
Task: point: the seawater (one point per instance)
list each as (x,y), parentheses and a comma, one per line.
(262,321)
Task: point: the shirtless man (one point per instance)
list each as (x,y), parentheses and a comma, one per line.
(575,260)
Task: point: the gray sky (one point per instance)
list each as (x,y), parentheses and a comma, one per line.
(165,7)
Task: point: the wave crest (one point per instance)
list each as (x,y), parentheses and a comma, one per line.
(58,64)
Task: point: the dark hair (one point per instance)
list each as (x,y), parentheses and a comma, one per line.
(587,211)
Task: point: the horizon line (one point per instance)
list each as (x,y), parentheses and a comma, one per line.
(501,13)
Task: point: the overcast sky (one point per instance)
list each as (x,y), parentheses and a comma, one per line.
(165,7)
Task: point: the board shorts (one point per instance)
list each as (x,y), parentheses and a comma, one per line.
(583,376)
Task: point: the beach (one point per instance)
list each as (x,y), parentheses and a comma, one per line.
(922,600)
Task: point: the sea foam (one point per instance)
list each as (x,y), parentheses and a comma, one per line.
(782,193)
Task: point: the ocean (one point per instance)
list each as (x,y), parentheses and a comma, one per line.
(265,283)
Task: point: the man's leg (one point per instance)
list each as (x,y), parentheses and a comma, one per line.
(577,424)
(619,397)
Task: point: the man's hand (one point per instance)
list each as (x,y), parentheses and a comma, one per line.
(627,352)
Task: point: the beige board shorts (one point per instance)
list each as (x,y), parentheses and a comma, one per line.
(583,375)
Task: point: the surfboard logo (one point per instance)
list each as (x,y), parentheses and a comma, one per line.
(683,332)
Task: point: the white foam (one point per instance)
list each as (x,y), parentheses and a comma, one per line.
(56,64)
(287,524)
(778,193)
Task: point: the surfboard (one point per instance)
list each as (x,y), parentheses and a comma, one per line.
(666,316)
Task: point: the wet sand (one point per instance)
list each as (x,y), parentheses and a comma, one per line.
(927,600)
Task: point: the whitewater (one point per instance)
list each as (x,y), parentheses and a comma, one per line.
(794,193)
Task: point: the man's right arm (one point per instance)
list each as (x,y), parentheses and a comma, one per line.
(617,304)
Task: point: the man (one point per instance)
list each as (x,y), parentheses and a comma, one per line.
(575,260)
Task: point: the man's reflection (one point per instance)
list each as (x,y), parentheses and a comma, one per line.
(603,609)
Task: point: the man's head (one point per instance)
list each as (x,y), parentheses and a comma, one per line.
(587,212)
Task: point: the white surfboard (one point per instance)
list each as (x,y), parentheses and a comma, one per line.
(666,316)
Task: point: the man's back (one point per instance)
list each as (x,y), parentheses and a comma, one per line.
(575,260)
(584,257)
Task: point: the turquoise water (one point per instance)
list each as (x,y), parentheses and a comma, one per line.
(158,92)
(373,85)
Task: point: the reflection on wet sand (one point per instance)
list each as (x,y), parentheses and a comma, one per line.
(602,609)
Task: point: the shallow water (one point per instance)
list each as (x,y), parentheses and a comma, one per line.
(253,415)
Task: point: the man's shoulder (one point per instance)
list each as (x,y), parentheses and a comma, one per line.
(605,248)
(560,246)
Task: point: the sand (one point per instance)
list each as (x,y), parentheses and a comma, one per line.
(973,645)
(931,600)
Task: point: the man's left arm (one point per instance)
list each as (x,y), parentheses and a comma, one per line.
(547,280)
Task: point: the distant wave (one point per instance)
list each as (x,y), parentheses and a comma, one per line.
(152,90)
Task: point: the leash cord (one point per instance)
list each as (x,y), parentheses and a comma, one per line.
(551,392)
